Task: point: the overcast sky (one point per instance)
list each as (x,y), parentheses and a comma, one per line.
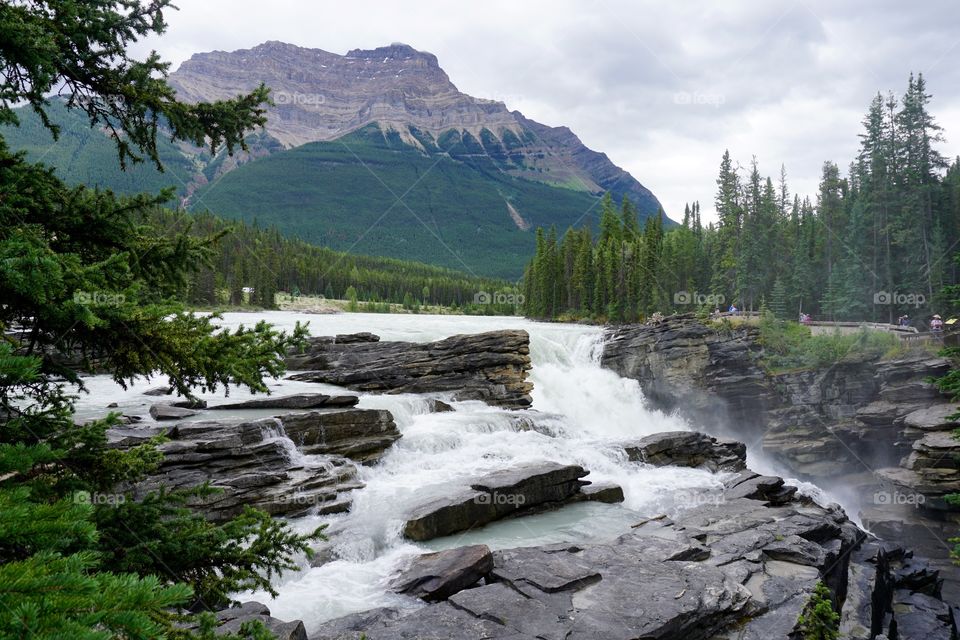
(661,88)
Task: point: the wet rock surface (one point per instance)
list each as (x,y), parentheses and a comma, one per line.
(688,449)
(437,576)
(740,568)
(250,463)
(359,434)
(491,366)
(472,504)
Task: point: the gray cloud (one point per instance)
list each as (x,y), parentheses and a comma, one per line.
(662,89)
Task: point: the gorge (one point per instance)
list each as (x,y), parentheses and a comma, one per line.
(692,545)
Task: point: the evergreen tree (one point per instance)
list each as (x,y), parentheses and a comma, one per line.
(86,273)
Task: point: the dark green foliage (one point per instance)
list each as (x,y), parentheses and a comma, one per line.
(79,49)
(872,247)
(452,212)
(161,536)
(247,256)
(89,281)
(819,621)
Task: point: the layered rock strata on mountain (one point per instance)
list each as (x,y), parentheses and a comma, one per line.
(321,96)
(491,366)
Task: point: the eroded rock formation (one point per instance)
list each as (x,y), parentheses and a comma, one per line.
(490,366)
(876,426)
(742,568)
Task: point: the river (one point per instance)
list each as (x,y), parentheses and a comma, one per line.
(585,411)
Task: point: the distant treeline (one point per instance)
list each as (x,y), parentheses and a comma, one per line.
(876,243)
(249,265)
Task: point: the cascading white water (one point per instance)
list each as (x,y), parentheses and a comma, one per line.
(585,409)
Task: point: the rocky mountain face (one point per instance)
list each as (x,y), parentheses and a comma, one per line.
(875,430)
(322,96)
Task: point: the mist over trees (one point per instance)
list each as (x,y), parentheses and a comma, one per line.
(875,242)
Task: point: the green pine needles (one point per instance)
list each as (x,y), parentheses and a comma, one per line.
(89,282)
(819,621)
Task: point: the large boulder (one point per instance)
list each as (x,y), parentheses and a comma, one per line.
(688,449)
(170,412)
(359,434)
(437,576)
(497,495)
(490,366)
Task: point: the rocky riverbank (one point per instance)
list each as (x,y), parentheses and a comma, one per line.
(741,564)
(740,567)
(875,428)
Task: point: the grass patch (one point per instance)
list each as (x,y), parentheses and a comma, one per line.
(789,346)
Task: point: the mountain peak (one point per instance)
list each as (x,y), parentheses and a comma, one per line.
(396,51)
(320,96)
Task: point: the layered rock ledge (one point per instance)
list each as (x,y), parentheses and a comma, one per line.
(258,462)
(743,568)
(512,492)
(688,449)
(491,366)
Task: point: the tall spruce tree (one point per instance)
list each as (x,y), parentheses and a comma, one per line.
(86,273)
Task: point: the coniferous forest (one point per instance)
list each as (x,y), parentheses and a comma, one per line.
(876,242)
(264,262)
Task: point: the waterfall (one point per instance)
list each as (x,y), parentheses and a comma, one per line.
(582,412)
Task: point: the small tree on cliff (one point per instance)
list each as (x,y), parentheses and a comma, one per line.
(819,621)
(83,272)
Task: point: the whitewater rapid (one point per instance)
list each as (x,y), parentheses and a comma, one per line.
(583,410)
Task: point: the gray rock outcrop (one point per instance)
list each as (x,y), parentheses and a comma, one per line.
(490,366)
(231,620)
(251,463)
(738,569)
(688,449)
(521,490)
(877,426)
(359,434)
(437,576)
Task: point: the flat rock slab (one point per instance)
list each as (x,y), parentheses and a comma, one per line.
(495,496)
(295,401)
(437,576)
(688,449)
(934,418)
(170,412)
(491,366)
